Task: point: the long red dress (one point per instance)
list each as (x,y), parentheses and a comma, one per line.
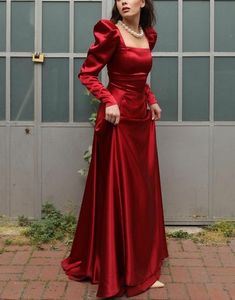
(120,240)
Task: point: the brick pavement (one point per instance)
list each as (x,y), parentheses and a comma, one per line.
(192,271)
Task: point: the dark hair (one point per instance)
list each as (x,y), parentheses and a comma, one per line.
(147,14)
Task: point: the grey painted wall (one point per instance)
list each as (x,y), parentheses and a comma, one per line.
(39,161)
(197,168)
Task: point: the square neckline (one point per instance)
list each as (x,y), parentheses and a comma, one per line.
(130,47)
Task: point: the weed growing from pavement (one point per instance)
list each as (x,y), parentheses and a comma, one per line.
(219,231)
(8,242)
(23,221)
(180,234)
(53,226)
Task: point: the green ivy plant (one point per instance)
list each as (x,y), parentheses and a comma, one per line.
(92,119)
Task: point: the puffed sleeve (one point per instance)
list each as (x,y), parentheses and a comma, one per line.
(98,55)
(152,38)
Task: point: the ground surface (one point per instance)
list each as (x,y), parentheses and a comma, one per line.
(192,271)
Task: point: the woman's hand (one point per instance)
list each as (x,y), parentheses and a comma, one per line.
(112,114)
(156,111)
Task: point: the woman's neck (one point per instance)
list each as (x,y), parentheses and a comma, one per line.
(133,23)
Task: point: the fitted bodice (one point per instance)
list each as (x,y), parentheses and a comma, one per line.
(129,67)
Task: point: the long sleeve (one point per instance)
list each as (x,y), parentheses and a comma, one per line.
(151,98)
(99,53)
(152,38)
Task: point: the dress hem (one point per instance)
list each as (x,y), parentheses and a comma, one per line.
(140,288)
(127,290)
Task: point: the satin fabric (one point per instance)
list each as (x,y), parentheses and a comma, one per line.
(120,240)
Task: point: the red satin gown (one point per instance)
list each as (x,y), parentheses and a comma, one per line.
(120,240)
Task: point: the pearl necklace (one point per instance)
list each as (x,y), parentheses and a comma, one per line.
(134,33)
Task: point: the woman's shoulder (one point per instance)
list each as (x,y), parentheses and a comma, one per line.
(105,26)
(151,35)
(106,32)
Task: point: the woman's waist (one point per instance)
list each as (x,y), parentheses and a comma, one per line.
(128,82)
(125,91)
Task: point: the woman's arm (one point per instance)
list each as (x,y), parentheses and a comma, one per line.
(99,53)
(152,38)
(151,98)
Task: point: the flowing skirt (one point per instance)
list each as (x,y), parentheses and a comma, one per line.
(120,240)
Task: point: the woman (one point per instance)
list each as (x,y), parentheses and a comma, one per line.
(120,240)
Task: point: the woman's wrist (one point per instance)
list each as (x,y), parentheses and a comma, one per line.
(110,104)
(154,103)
